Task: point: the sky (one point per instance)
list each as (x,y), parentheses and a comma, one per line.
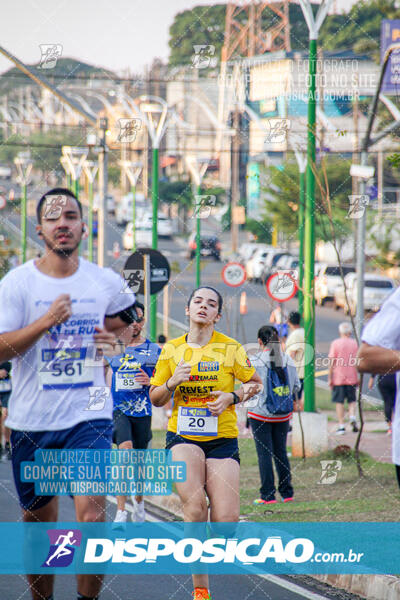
(114,34)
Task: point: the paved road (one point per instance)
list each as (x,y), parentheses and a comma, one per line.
(132,587)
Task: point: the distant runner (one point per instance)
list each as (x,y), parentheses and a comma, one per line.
(129,380)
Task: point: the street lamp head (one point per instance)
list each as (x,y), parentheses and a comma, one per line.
(91,140)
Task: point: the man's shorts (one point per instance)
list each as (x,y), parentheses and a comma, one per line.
(342,392)
(218,448)
(134,429)
(90,435)
(4,399)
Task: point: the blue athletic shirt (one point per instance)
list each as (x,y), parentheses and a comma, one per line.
(129,397)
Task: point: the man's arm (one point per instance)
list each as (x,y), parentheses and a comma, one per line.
(15,343)
(377,360)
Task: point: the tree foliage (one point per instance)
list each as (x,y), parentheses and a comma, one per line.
(282,199)
(358,30)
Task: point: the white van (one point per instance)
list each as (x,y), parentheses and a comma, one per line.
(124,208)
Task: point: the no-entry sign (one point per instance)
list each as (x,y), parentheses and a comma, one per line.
(281,286)
(233,274)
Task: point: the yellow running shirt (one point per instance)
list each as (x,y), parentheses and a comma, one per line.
(215,367)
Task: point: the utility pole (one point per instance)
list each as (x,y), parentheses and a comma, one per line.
(235,181)
(354,181)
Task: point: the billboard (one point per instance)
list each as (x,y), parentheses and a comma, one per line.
(390,33)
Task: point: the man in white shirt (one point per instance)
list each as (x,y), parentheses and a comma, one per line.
(54,309)
(379,353)
(295,347)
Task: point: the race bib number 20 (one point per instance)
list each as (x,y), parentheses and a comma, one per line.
(197,421)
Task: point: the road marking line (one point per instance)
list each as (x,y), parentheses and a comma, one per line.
(321,373)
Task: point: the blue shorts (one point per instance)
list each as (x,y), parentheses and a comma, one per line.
(93,435)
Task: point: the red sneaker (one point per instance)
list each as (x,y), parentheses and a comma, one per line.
(261,501)
(288,499)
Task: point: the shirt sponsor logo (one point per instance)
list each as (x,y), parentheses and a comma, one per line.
(208,366)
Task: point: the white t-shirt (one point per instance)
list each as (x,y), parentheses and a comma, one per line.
(295,343)
(384,330)
(53,381)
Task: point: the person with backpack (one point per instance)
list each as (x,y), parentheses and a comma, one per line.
(269,414)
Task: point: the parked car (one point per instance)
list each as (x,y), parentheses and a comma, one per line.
(144,235)
(124,208)
(164,226)
(377,288)
(256,262)
(5,172)
(209,246)
(329,277)
(110,203)
(270,264)
(246,250)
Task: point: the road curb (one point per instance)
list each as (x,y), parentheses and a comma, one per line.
(371,587)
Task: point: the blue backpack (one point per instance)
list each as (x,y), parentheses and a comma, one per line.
(279,400)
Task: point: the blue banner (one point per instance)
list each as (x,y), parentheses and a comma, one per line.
(390,33)
(215,548)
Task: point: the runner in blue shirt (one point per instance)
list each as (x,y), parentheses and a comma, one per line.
(129,380)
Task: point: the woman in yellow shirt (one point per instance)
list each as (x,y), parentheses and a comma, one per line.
(200,369)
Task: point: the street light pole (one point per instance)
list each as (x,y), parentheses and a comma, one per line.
(301,243)
(24,166)
(197,168)
(314,25)
(150,106)
(90,168)
(132,170)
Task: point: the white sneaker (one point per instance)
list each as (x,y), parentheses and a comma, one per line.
(139,514)
(341,430)
(120,519)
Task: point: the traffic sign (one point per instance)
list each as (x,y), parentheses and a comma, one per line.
(281,286)
(134,271)
(233,274)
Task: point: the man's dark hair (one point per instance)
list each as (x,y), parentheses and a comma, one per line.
(207,287)
(58,191)
(294,318)
(161,339)
(139,305)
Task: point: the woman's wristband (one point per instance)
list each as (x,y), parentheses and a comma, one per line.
(168,388)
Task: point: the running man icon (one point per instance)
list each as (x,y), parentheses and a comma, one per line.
(63,543)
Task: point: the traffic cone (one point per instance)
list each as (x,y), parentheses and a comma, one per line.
(116,250)
(243,303)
